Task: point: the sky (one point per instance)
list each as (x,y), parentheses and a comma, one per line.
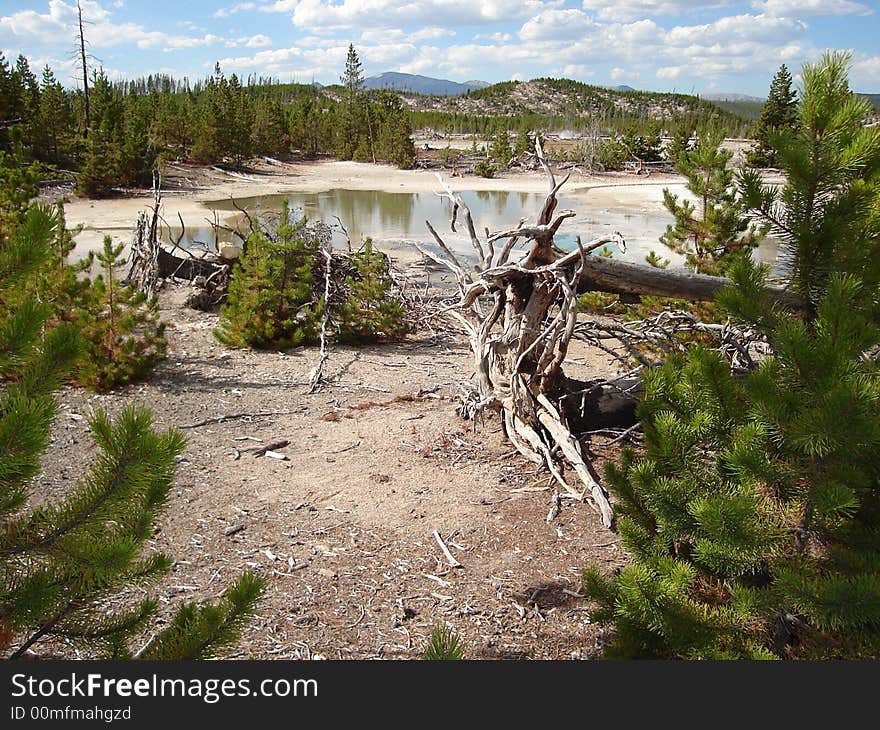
(657,45)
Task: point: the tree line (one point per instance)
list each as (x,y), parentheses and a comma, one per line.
(133,126)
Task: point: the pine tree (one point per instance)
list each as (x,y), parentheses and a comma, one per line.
(444,645)
(500,150)
(680,144)
(310,132)
(54,138)
(137,153)
(238,115)
(831,164)
(778,113)
(98,173)
(210,143)
(368,313)
(752,516)
(523,142)
(393,133)
(63,561)
(271,304)
(18,186)
(124,337)
(716,231)
(269,134)
(353,134)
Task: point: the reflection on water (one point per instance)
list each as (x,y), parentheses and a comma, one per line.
(384,215)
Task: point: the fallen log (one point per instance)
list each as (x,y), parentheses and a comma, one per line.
(624,277)
(172,266)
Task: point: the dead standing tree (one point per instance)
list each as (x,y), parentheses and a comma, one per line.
(520,318)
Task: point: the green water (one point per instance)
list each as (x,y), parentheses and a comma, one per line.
(401,216)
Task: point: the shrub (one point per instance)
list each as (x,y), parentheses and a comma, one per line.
(368,314)
(271,303)
(124,337)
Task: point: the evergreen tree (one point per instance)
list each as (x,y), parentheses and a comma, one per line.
(642,142)
(172,127)
(271,304)
(9,101)
(269,135)
(393,135)
(752,517)
(18,186)
(368,313)
(124,336)
(354,133)
(500,150)
(778,113)
(63,561)
(238,117)
(137,153)
(680,144)
(715,231)
(55,123)
(826,212)
(523,142)
(210,143)
(29,104)
(99,171)
(310,132)
(444,645)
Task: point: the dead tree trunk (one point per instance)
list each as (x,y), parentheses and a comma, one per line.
(85,70)
(520,317)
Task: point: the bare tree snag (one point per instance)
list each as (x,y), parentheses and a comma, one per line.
(520,317)
(85,70)
(317,373)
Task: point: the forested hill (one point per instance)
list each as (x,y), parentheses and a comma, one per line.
(573,100)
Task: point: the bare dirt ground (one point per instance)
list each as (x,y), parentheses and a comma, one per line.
(343,528)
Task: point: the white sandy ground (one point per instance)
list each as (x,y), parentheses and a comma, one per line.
(116,217)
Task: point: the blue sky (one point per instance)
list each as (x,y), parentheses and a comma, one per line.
(681,45)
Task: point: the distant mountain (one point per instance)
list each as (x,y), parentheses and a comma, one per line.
(421,84)
(623,88)
(726,96)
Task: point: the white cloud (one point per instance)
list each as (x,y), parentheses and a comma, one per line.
(395,35)
(496,37)
(577,71)
(226,12)
(557,25)
(805,8)
(28,28)
(324,14)
(622,74)
(865,73)
(168,43)
(624,10)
